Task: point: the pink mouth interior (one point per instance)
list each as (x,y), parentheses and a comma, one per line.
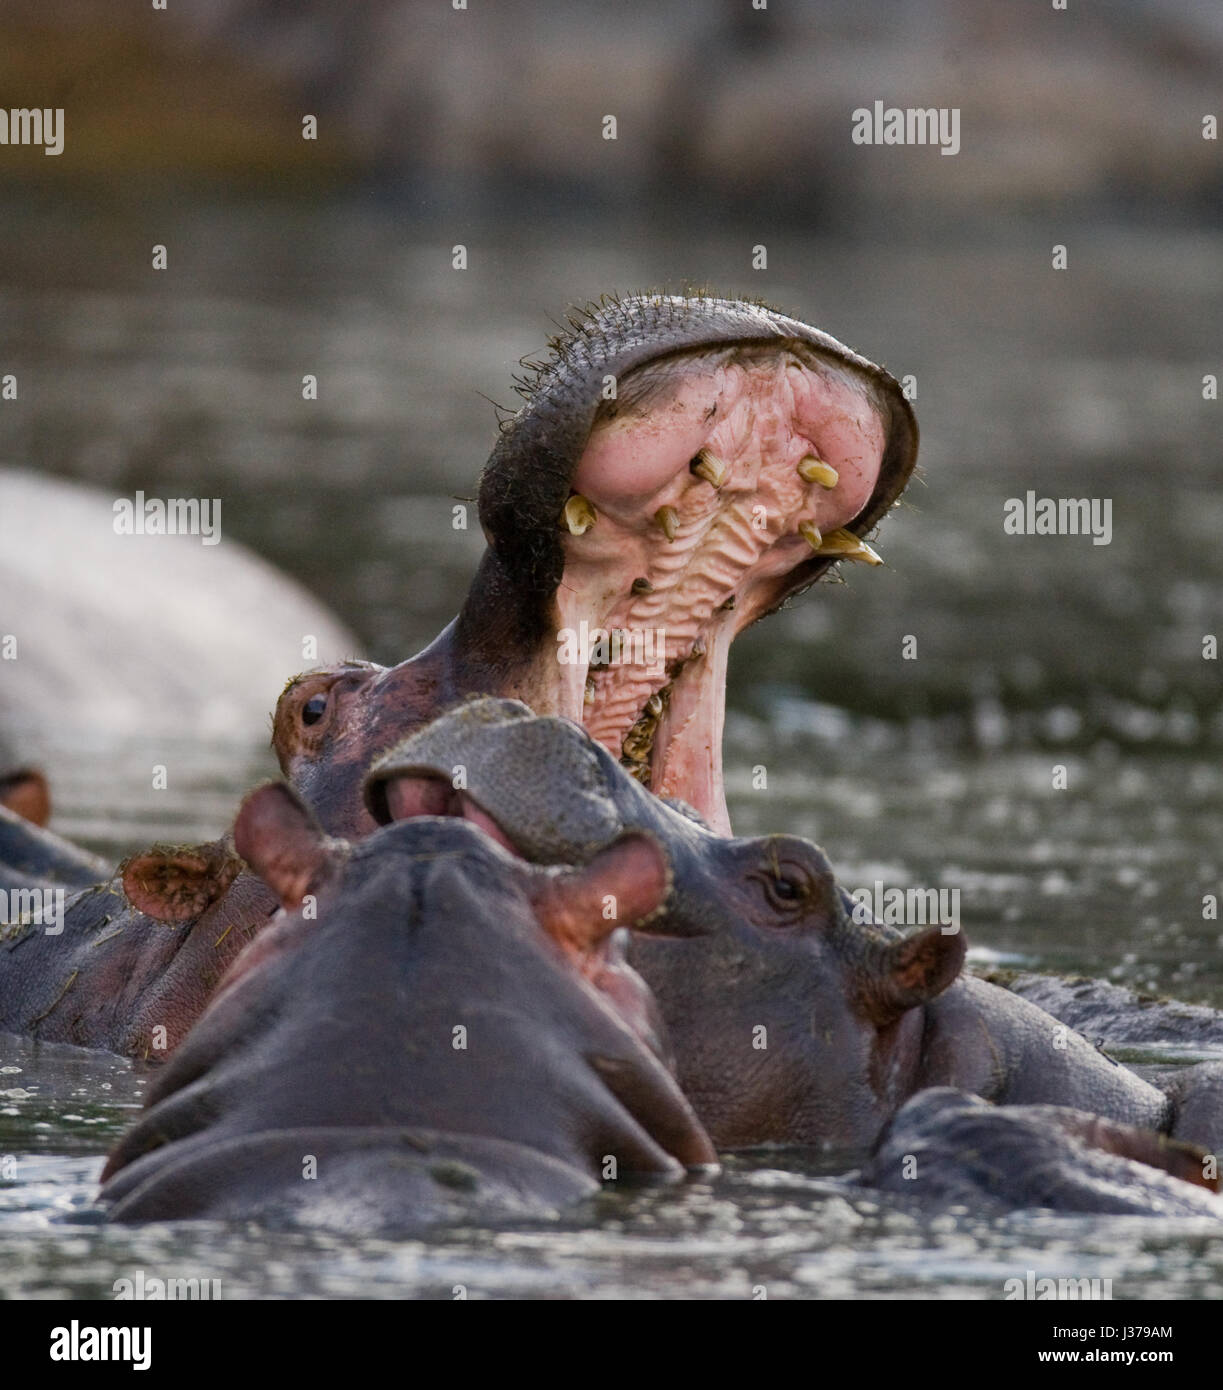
(756,414)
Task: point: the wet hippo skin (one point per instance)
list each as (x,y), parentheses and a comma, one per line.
(423,1033)
(791,1021)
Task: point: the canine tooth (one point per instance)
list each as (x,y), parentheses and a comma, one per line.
(814,470)
(712,469)
(810,532)
(642,586)
(655,704)
(846,546)
(579,515)
(668,519)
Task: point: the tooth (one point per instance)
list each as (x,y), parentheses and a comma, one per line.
(712,469)
(642,586)
(668,519)
(588,698)
(813,470)
(729,604)
(579,515)
(655,704)
(846,546)
(698,648)
(810,532)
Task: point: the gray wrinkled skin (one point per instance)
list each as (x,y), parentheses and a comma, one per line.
(728,964)
(954,1149)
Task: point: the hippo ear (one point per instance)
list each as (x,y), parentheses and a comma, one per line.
(625,885)
(178,883)
(27,795)
(905,974)
(283,843)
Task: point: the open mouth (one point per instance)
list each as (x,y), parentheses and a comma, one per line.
(728,482)
(413,794)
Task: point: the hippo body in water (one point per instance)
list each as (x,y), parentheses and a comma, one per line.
(791,1021)
(426,1032)
(951,1149)
(123,961)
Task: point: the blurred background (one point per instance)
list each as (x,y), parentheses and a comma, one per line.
(484,127)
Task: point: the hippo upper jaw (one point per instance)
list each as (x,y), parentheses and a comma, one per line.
(681,467)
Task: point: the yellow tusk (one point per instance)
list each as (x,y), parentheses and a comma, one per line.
(813,470)
(668,519)
(713,470)
(844,545)
(810,532)
(579,515)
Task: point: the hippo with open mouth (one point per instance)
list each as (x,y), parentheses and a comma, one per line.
(793,1021)
(681,467)
(431,1029)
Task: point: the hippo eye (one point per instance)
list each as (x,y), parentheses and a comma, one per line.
(786,888)
(314,709)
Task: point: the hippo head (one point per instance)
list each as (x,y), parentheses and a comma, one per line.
(680,468)
(790,1020)
(421,996)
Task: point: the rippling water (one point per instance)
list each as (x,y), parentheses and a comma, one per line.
(1033,653)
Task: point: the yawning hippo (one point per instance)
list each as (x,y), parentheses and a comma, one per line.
(680,468)
(424,1033)
(791,1021)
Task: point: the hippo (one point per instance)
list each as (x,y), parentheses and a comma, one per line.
(681,467)
(134,638)
(1114,1014)
(948,1148)
(432,1029)
(793,1019)
(123,960)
